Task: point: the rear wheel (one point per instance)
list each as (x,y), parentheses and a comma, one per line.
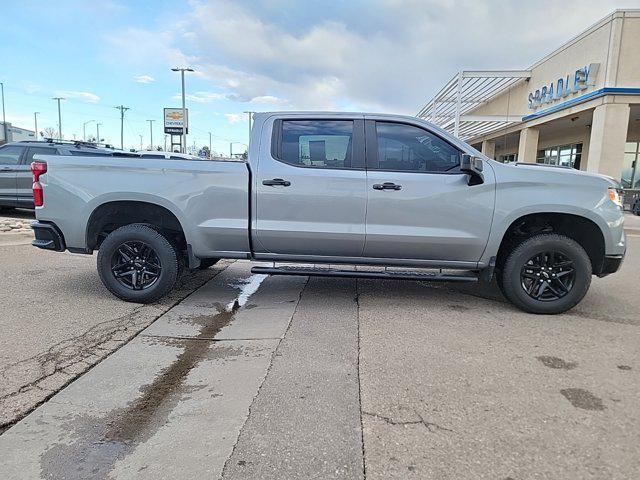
(546,274)
(138,264)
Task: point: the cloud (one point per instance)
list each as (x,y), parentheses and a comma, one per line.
(269,100)
(86,97)
(383,55)
(200,97)
(144,79)
(235,117)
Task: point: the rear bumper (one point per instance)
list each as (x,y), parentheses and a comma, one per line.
(611,264)
(48,237)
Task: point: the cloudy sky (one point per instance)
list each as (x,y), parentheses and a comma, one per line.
(373,55)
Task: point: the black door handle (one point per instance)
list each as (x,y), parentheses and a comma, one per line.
(275,182)
(386,186)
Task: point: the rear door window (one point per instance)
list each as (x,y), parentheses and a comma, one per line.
(10,154)
(317,143)
(38,151)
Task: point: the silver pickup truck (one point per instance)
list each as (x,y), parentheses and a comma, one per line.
(337,188)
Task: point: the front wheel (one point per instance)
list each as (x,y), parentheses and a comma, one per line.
(546,274)
(137,264)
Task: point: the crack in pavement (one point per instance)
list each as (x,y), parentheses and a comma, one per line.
(46,373)
(431,426)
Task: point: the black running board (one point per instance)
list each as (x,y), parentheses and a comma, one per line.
(382,274)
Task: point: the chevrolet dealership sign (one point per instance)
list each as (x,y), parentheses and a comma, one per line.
(173,121)
(563,87)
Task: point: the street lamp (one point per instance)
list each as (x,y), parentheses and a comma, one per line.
(250,118)
(140,142)
(151,132)
(184,110)
(98,133)
(84,130)
(35,119)
(59,117)
(4,120)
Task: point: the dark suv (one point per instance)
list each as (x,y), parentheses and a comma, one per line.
(15,161)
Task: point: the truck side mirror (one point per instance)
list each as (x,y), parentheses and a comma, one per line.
(473,167)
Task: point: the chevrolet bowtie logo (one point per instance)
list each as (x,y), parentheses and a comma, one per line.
(174,115)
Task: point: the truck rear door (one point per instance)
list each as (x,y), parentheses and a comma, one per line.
(9,162)
(419,203)
(311,188)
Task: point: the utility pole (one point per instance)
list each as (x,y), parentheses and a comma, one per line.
(4,119)
(183,141)
(84,130)
(122,109)
(140,142)
(210,154)
(35,119)
(151,132)
(165,142)
(59,117)
(250,119)
(98,133)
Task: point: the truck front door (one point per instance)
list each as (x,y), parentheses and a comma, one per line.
(310,187)
(420,205)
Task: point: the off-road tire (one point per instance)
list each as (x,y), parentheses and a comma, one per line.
(512,283)
(164,250)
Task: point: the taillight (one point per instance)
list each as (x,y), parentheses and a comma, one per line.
(37,169)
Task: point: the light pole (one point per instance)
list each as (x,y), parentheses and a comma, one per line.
(151,132)
(84,130)
(4,120)
(59,117)
(98,133)
(165,142)
(140,142)
(250,114)
(35,120)
(184,110)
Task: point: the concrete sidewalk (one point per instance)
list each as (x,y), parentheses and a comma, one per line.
(170,404)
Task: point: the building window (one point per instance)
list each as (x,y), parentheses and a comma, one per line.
(630,168)
(563,155)
(511,157)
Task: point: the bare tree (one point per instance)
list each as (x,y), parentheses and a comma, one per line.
(50,132)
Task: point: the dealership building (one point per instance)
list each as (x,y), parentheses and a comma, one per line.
(579,106)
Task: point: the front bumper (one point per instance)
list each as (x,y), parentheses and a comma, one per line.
(611,264)
(48,237)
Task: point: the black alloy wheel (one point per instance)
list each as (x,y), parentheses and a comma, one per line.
(135,265)
(548,276)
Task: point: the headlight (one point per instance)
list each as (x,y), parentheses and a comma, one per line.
(614,196)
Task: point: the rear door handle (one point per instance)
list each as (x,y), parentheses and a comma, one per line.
(6,169)
(386,186)
(276,182)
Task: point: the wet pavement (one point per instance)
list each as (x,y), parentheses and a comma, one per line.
(289,377)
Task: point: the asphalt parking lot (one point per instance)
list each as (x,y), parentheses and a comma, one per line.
(242,376)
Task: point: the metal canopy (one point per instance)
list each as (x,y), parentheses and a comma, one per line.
(450,108)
